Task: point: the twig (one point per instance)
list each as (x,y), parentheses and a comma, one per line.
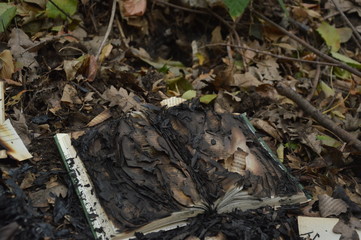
(272,54)
(95,90)
(111,20)
(122,35)
(354,30)
(309,47)
(314,82)
(318,116)
(66,14)
(180,7)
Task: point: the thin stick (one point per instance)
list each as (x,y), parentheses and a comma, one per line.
(2,102)
(180,7)
(314,82)
(272,54)
(354,30)
(309,47)
(318,116)
(111,20)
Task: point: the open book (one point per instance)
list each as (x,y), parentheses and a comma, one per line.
(155,169)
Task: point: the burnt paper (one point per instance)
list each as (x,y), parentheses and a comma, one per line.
(153,165)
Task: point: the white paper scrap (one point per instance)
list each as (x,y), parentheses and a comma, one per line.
(13,144)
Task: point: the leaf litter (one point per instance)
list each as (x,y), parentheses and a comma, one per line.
(55,85)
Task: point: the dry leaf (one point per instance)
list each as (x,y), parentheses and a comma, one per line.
(70,95)
(18,44)
(7,64)
(245,80)
(133,7)
(121,98)
(105,52)
(101,117)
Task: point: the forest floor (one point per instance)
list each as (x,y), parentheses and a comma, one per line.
(60,77)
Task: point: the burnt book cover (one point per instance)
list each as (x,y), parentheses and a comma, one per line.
(153,170)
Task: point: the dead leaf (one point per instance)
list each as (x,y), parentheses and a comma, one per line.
(18,121)
(219,236)
(268,69)
(42,197)
(28,180)
(101,117)
(347,229)
(71,68)
(92,68)
(267,127)
(121,98)
(70,95)
(132,7)
(105,52)
(18,44)
(245,80)
(7,64)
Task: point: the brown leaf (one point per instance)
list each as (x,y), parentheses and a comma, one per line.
(133,7)
(101,117)
(70,95)
(7,64)
(121,98)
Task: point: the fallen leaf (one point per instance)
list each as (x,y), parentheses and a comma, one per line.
(346,59)
(207,98)
(329,92)
(268,69)
(18,44)
(105,52)
(347,228)
(41,198)
(101,117)
(70,95)
(7,64)
(7,13)
(245,80)
(121,98)
(133,7)
(28,180)
(345,34)
(330,35)
(67,6)
(71,67)
(189,94)
(267,127)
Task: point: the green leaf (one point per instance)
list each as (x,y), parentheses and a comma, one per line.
(341,73)
(330,35)
(189,94)
(207,98)
(328,141)
(7,13)
(178,84)
(236,7)
(346,60)
(329,92)
(164,69)
(291,145)
(68,6)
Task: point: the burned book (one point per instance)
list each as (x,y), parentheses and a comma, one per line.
(154,170)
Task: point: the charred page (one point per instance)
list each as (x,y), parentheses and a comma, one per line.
(150,166)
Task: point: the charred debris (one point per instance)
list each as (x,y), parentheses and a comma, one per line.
(150,164)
